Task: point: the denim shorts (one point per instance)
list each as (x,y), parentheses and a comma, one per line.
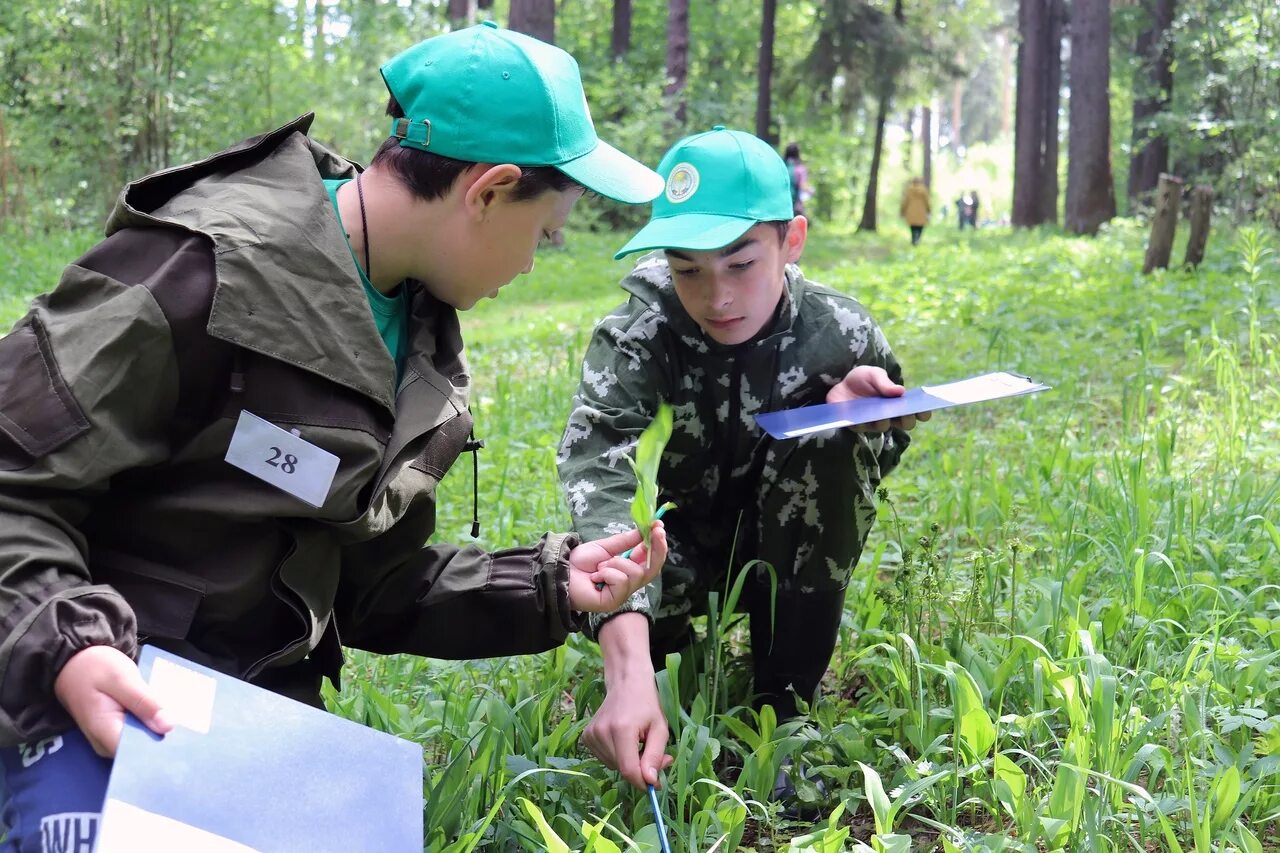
(51,795)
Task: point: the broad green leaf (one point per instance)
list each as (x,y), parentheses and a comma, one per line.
(876,797)
(596,841)
(648,459)
(1011,774)
(1226,793)
(892,843)
(555,844)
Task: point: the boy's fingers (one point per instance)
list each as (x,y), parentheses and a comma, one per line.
(884,386)
(136,697)
(653,758)
(619,542)
(629,764)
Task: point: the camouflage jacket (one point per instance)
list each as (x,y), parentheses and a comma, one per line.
(649,350)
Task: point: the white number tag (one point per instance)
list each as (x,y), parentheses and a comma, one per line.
(282,459)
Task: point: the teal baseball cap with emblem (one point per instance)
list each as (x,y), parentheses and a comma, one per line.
(718,185)
(488,95)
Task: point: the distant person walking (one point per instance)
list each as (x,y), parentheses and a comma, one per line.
(915,208)
(967,210)
(801,190)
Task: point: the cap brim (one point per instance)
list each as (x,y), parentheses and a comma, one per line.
(612,174)
(697,232)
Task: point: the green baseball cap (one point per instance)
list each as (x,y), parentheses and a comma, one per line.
(488,95)
(718,185)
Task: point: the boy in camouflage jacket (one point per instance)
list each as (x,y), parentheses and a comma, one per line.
(722,325)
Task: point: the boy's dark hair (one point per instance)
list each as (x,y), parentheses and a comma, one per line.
(430,176)
(782,226)
(792,152)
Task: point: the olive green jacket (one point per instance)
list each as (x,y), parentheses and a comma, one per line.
(222,286)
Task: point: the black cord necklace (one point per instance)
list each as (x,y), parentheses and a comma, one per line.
(364,228)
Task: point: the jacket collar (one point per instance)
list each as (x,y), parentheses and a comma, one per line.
(650,281)
(286,283)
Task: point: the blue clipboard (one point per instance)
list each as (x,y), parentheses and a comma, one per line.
(245,769)
(793,423)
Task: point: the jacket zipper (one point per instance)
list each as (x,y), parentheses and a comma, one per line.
(282,593)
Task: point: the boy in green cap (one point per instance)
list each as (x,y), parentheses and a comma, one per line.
(722,325)
(221,434)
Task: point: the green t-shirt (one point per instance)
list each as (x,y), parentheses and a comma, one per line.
(390,313)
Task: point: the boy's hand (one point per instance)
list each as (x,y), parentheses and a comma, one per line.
(96,686)
(599,562)
(868,381)
(628,733)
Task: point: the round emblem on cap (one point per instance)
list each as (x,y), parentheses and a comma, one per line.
(682,183)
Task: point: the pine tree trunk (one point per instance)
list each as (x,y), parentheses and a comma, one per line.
(677,61)
(1029,121)
(536,18)
(1153,90)
(926,131)
(1201,209)
(461,13)
(1091,198)
(620,39)
(1164,223)
(1057,19)
(868,221)
(764,79)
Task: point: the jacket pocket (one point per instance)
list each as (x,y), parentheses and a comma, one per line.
(37,412)
(164,600)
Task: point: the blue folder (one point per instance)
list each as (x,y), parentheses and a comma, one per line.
(793,423)
(245,769)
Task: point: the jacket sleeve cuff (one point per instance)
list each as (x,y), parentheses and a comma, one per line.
(639,602)
(40,647)
(562,619)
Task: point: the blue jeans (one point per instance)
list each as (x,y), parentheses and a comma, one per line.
(51,795)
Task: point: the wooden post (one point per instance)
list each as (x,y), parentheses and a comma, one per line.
(1201,208)
(1164,223)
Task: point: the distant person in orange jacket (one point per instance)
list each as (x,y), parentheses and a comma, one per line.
(915,208)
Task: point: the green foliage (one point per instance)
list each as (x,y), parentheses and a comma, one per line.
(644,507)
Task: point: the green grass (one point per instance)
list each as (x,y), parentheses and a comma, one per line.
(1064,633)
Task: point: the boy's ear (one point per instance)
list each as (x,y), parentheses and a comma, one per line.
(797,234)
(484,184)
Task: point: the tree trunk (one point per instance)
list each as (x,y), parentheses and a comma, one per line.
(1164,223)
(318,43)
(1006,89)
(677,61)
(957,115)
(1153,91)
(764,79)
(926,132)
(535,18)
(1057,18)
(909,141)
(462,13)
(1091,197)
(1201,209)
(620,39)
(1029,122)
(868,221)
